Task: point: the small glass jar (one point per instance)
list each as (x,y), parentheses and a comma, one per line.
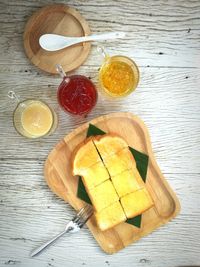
(118,75)
(33,118)
(76,94)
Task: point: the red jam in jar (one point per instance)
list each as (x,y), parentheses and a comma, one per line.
(77,95)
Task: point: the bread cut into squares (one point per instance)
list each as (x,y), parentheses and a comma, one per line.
(109,145)
(111,179)
(136,203)
(103,195)
(119,162)
(110,216)
(94,175)
(85,156)
(138,177)
(127,182)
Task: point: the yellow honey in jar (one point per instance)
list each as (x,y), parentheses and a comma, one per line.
(34,118)
(119,76)
(37,119)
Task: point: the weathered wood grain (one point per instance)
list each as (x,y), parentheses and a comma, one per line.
(27,205)
(172,115)
(166,203)
(160,33)
(163,39)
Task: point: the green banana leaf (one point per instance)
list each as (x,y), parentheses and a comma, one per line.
(141,164)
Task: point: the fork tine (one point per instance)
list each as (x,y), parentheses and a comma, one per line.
(87,212)
(82,214)
(78,215)
(80,211)
(81,218)
(86,217)
(81,224)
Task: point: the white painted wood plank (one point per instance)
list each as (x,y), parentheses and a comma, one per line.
(164,41)
(160,34)
(27,205)
(170,108)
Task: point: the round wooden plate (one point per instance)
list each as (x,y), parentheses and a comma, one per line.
(58,19)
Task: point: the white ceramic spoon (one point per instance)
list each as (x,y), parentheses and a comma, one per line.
(54,42)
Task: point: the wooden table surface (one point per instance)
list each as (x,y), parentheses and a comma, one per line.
(164,40)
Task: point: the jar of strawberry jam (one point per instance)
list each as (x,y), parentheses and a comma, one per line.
(76,94)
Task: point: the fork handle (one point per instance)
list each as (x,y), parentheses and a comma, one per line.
(48,243)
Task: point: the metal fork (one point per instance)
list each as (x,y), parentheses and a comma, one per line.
(73,226)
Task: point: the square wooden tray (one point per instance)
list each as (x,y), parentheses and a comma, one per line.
(58,175)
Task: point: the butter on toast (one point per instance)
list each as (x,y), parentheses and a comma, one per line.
(84,156)
(119,162)
(109,144)
(127,182)
(110,216)
(136,203)
(110,176)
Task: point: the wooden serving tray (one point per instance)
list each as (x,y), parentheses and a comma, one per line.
(58,175)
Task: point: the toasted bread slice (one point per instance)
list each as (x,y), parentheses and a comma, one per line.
(103,195)
(119,162)
(110,216)
(110,176)
(109,144)
(127,182)
(138,177)
(94,175)
(136,203)
(85,156)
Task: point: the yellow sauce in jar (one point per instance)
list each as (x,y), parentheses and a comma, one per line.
(118,77)
(33,118)
(37,119)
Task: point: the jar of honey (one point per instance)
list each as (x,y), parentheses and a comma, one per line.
(118,75)
(33,118)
